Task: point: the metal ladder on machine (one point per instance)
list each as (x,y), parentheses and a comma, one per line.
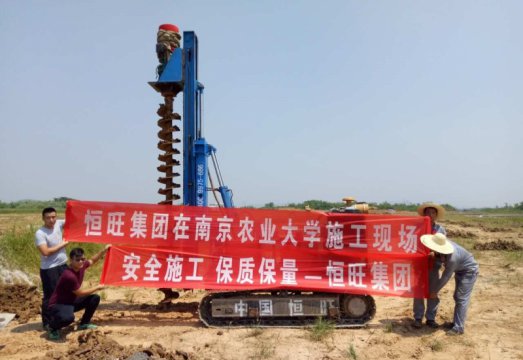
(178,71)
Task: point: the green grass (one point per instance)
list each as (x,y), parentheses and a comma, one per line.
(436,345)
(263,350)
(389,327)
(321,329)
(351,353)
(513,257)
(17,247)
(129,295)
(255,332)
(486,222)
(467,243)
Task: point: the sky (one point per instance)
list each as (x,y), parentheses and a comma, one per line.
(398,101)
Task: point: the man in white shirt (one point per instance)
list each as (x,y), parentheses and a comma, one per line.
(53,258)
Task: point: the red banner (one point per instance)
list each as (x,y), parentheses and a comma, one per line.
(242,249)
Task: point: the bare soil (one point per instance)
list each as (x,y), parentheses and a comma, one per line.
(132,325)
(22,300)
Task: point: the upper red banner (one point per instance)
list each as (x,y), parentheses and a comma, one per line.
(234,248)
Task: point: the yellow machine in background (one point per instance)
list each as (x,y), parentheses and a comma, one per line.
(352,206)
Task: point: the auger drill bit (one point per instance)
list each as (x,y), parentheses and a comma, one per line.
(167,139)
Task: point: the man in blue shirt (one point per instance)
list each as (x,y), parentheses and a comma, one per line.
(462,264)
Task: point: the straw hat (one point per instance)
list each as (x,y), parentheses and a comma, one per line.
(438,207)
(438,243)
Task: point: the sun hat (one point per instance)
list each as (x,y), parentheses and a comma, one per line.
(438,207)
(438,243)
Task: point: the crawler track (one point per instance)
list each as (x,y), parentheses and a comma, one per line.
(344,310)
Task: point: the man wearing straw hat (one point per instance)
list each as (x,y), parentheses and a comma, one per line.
(434,212)
(461,263)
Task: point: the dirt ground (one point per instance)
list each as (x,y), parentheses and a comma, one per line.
(133,326)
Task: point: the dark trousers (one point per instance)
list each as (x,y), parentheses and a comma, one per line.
(63,315)
(49,279)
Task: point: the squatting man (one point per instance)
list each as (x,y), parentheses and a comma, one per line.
(69,296)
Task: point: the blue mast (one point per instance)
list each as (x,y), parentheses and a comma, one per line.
(181,72)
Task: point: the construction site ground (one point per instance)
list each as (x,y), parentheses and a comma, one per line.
(133,326)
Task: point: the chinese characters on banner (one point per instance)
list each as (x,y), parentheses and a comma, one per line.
(244,249)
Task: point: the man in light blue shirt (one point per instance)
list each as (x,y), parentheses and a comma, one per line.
(53,259)
(462,264)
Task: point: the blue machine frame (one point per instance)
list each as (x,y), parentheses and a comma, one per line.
(181,73)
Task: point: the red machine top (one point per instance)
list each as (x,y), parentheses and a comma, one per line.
(169,27)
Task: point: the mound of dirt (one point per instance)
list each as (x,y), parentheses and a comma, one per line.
(461,233)
(498,245)
(96,345)
(493,229)
(23,300)
(13,276)
(460,224)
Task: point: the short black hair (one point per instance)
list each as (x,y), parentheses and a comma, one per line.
(48,210)
(76,252)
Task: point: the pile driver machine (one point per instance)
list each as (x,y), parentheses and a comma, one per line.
(178,72)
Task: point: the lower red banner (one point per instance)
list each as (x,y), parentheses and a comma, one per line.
(359,273)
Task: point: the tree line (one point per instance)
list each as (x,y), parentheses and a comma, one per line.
(326,205)
(60,202)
